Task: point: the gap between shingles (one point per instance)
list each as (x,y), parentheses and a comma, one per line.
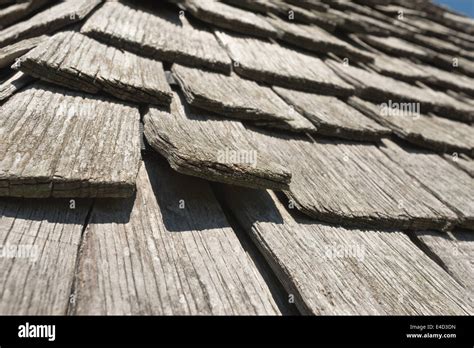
(72,298)
(280,295)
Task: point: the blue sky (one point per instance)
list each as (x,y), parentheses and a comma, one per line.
(464,6)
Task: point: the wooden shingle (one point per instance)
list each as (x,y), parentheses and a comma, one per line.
(214,149)
(64,13)
(63,144)
(169,251)
(74,60)
(332,116)
(153,36)
(232,96)
(274,64)
(10,53)
(331,270)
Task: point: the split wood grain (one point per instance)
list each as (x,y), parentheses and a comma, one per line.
(232,96)
(64,144)
(12,84)
(10,53)
(428,131)
(214,149)
(462,162)
(76,61)
(152,36)
(148,256)
(449,184)
(313,38)
(19,10)
(382,89)
(335,271)
(40,241)
(447,80)
(221,15)
(332,116)
(271,63)
(45,22)
(354,184)
(399,68)
(455,252)
(259,6)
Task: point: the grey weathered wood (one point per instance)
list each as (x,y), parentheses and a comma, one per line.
(444,79)
(381,89)
(455,252)
(431,132)
(450,185)
(399,69)
(63,144)
(398,47)
(316,39)
(309,4)
(263,61)
(354,184)
(335,271)
(462,162)
(43,238)
(260,6)
(221,15)
(154,36)
(90,66)
(233,96)
(148,256)
(12,84)
(332,116)
(49,20)
(19,10)
(9,53)
(214,149)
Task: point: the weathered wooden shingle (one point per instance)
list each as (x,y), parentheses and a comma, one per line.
(9,53)
(462,162)
(169,251)
(311,37)
(454,251)
(428,131)
(62,144)
(219,14)
(39,241)
(74,60)
(354,184)
(335,271)
(382,89)
(19,10)
(268,62)
(214,149)
(332,116)
(49,20)
(150,35)
(449,184)
(399,69)
(444,79)
(260,6)
(12,84)
(232,96)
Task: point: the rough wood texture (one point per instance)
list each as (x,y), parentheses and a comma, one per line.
(260,6)
(210,148)
(454,251)
(19,10)
(431,132)
(311,37)
(233,96)
(449,184)
(49,20)
(9,53)
(382,89)
(399,69)
(62,144)
(335,271)
(354,184)
(229,17)
(147,256)
(156,37)
(12,84)
(398,47)
(268,62)
(332,116)
(448,80)
(89,66)
(462,162)
(42,239)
